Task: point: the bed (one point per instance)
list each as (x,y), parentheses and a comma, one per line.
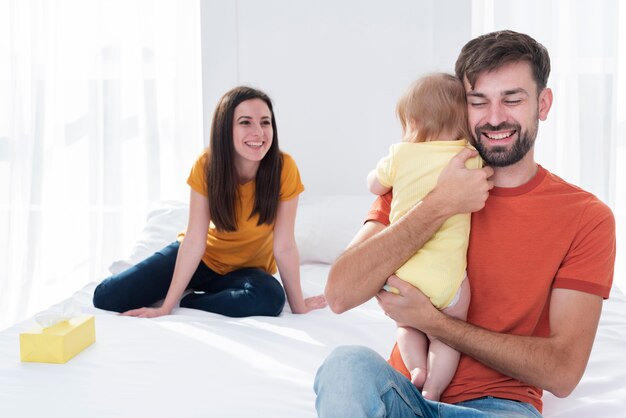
(193,364)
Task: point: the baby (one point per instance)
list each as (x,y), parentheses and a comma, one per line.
(433,114)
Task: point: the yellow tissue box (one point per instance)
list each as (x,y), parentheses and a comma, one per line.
(58,343)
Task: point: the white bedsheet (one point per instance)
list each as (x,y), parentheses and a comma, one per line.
(196,364)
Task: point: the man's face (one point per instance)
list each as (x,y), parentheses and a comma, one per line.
(504,112)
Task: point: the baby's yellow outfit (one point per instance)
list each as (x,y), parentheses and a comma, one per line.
(412,170)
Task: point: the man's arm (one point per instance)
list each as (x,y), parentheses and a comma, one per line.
(361,271)
(555,363)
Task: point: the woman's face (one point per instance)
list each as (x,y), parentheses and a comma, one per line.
(252,131)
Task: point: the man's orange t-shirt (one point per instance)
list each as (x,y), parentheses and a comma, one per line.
(526,241)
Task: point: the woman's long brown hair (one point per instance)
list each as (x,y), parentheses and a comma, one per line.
(220,172)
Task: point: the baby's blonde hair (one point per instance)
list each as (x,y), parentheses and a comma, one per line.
(433,104)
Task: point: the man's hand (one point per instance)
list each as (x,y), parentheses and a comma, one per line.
(463,190)
(410,307)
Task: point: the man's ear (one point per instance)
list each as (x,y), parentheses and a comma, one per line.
(545,103)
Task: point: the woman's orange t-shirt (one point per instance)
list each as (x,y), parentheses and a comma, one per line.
(251,245)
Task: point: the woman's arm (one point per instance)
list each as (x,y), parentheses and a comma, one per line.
(189,256)
(288,259)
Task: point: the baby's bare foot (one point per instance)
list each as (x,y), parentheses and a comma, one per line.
(431,396)
(418,377)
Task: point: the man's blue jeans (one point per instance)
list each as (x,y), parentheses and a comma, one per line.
(244,292)
(357,382)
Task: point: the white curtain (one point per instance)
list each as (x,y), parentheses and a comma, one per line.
(584,139)
(101,116)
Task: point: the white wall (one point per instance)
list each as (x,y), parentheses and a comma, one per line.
(334,70)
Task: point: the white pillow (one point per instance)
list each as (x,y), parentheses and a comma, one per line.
(324,227)
(164,221)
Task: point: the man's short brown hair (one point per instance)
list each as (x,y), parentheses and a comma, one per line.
(493,50)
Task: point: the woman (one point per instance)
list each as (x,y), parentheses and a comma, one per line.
(244,196)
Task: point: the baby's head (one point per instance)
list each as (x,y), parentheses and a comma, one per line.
(434,108)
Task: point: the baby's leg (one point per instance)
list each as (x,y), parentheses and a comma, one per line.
(442,363)
(413,346)
(443,359)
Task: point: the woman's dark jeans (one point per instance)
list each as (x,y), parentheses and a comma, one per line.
(244,292)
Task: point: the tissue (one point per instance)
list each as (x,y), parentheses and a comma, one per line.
(69,310)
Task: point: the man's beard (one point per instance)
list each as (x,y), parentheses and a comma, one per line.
(502,156)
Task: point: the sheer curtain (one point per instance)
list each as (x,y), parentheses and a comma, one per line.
(583,140)
(101,116)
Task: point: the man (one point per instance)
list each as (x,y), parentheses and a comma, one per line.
(540,262)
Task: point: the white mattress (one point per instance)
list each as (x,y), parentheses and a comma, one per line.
(197,364)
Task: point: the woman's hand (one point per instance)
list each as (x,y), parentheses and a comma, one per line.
(312,303)
(146,312)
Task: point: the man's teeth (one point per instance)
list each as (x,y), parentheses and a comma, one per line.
(499,136)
